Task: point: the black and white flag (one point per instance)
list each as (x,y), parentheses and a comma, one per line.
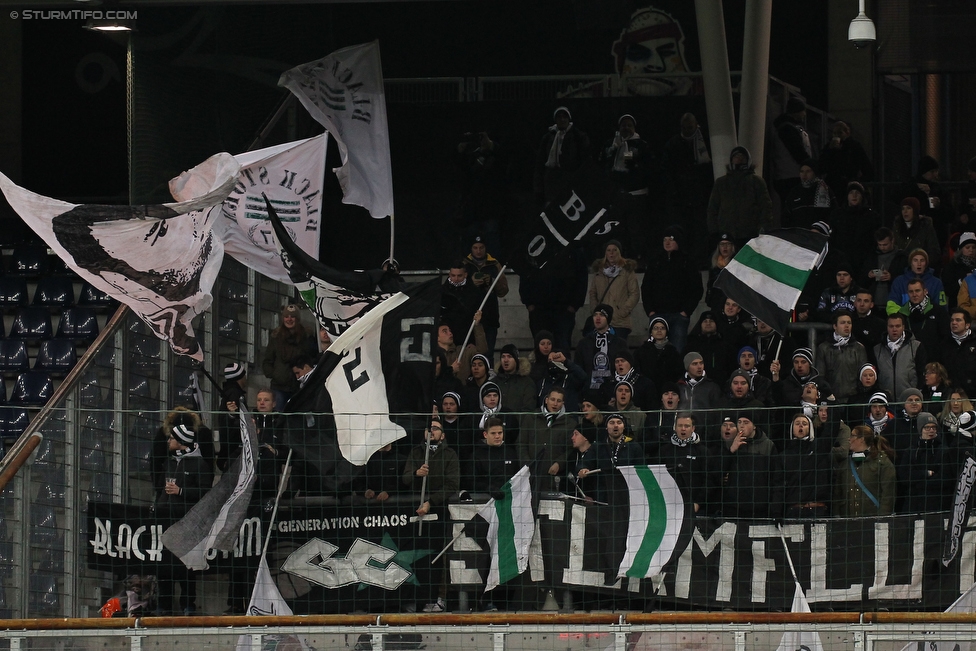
(344,92)
(215,521)
(160,260)
(337,298)
(291,176)
(379,367)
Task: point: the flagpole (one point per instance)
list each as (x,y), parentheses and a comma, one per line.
(789,558)
(453,540)
(482,306)
(423,484)
(391,238)
(274,511)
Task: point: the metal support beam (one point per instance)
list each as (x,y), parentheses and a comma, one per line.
(755,79)
(718,86)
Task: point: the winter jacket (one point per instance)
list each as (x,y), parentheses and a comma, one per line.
(671,284)
(518,388)
(842,366)
(752,479)
(807,471)
(903,370)
(696,470)
(621,293)
(541,445)
(739,205)
(443,480)
(898,296)
(921,236)
(491,267)
(959,359)
(878,476)
(280,355)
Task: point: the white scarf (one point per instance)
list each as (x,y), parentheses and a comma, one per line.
(460,284)
(960,338)
(691,440)
(893,346)
(622,148)
(878,425)
(840,342)
(612,270)
(698,147)
(692,381)
(821,198)
(557,146)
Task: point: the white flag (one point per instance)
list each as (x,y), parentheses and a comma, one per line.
(511,526)
(966,603)
(161,260)
(216,521)
(656,515)
(796,640)
(291,175)
(344,93)
(266,600)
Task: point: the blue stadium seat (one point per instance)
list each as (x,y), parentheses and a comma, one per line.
(53,487)
(79,324)
(92,453)
(29,261)
(54,291)
(56,356)
(144,354)
(31,324)
(92,297)
(139,387)
(13,292)
(13,421)
(13,356)
(32,389)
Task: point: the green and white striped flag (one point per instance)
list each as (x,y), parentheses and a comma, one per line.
(511,526)
(767,276)
(657,511)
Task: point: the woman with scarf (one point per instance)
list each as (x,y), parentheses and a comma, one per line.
(539,357)
(957,404)
(807,469)
(864,475)
(722,256)
(657,358)
(935,393)
(615,284)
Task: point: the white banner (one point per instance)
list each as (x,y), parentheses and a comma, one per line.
(344,93)
(291,175)
(161,260)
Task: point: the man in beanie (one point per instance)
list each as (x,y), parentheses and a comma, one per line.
(962,264)
(644,392)
(879,418)
(760,385)
(233,396)
(561,157)
(790,147)
(854,220)
(493,462)
(914,230)
(672,287)
(924,479)
(186,479)
(842,356)
(706,339)
(843,160)
(618,447)
(932,197)
(809,201)
(659,424)
(918,269)
(697,391)
(739,203)
(738,393)
(482,269)
(583,460)
(596,351)
(788,387)
(753,473)
(512,377)
(906,424)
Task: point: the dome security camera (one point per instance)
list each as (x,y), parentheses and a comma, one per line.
(861,32)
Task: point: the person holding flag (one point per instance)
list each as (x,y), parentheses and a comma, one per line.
(433,471)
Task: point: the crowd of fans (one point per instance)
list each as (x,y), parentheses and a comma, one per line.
(875,420)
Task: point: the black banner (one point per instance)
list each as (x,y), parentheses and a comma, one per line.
(338,559)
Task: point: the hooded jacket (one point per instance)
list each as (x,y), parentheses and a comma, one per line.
(621,293)
(740,204)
